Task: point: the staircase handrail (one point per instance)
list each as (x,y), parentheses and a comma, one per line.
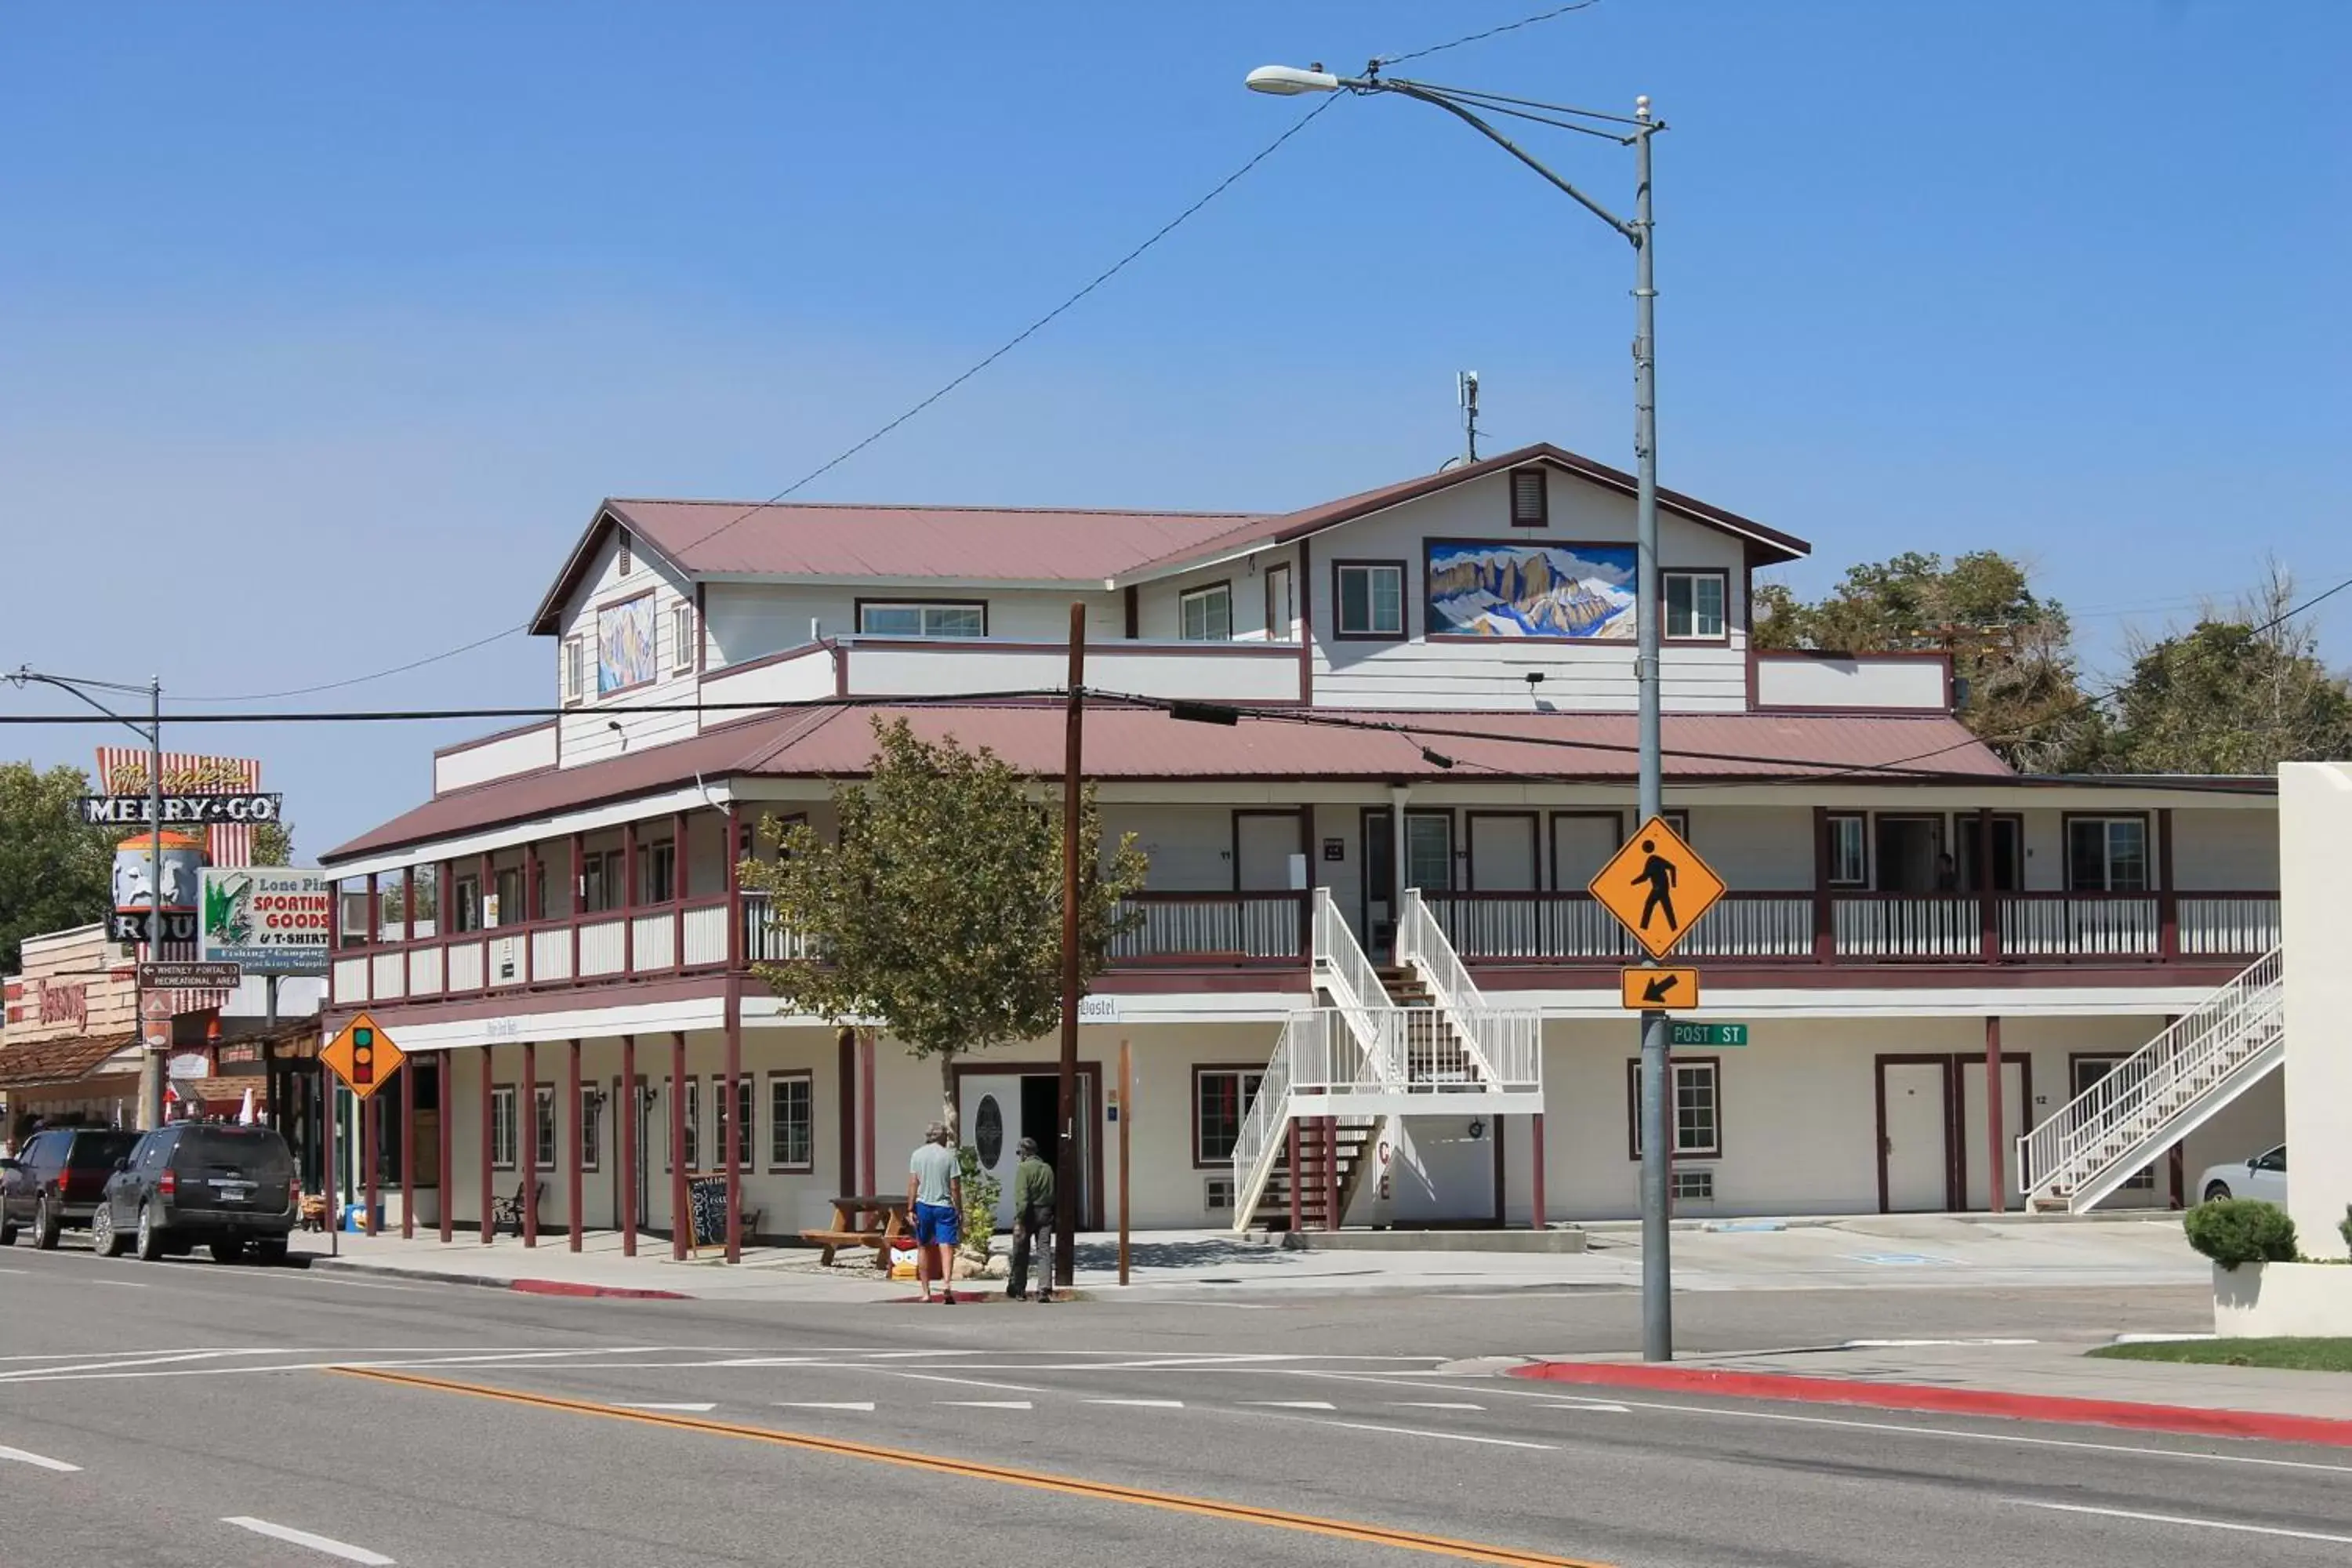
(1342,968)
(2049,1156)
(1264,1124)
(1507,1052)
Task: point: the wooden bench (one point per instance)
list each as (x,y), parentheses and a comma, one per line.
(509,1211)
(850,1228)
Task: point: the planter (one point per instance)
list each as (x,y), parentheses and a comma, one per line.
(2266,1300)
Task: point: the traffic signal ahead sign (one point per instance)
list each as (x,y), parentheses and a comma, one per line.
(1657,886)
(362,1055)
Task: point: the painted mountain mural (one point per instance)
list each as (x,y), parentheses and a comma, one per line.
(1583,591)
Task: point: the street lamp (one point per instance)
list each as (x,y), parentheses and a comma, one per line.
(1469,106)
(151,1057)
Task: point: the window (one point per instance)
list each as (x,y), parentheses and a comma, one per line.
(656,872)
(1695,604)
(1372,600)
(693,1143)
(543,1132)
(1428,850)
(1698,1122)
(791,1126)
(681,637)
(2106,855)
(591,1126)
(601,887)
(1221,1098)
(1217,1194)
(1693,1185)
(627,562)
(1206,615)
(1847,864)
(942,620)
(1530,499)
(744,1088)
(466,904)
(574,666)
(1281,605)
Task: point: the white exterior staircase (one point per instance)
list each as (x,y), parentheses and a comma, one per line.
(2160,1094)
(1362,1058)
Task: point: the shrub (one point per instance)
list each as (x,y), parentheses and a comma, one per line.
(981,1192)
(2241,1230)
(2345,1228)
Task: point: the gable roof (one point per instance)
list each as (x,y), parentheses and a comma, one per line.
(1048,546)
(66,1060)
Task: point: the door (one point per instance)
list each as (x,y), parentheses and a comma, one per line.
(2016,1116)
(2008,853)
(1264,843)
(1377,927)
(1503,860)
(988,1114)
(1909,849)
(1914,1137)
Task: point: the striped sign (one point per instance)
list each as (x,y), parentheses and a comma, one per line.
(123,770)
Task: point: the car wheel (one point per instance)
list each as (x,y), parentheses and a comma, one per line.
(149,1245)
(269,1252)
(46,1226)
(2216,1190)
(227,1251)
(8,1234)
(104,1239)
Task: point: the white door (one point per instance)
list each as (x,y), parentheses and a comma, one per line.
(988,1117)
(2016,1116)
(1912,1110)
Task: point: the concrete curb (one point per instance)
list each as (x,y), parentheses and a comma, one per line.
(2191,1420)
(498,1282)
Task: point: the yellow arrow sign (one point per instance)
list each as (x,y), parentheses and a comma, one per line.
(1646,990)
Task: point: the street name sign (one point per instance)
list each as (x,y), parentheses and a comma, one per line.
(189,976)
(1706,1034)
(362,1055)
(1657,886)
(1648,990)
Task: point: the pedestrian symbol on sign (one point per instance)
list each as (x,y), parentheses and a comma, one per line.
(1659,873)
(1657,886)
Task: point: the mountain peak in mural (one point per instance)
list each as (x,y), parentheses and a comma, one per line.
(1583,593)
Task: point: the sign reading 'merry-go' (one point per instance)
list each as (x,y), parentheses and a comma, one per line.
(270,920)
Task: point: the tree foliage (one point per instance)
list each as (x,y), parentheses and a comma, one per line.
(55,872)
(2013,655)
(938,907)
(273,844)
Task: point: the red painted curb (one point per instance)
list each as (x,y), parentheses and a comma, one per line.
(2062,1408)
(565,1288)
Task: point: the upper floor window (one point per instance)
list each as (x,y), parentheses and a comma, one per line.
(936,619)
(1849,866)
(1206,615)
(1695,604)
(2106,855)
(1372,599)
(1530,499)
(573,665)
(681,637)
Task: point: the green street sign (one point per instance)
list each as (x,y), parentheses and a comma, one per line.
(1707,1033)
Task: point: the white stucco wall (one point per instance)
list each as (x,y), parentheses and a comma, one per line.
(2316,840)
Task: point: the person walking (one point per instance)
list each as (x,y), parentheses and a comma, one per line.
(1659,872)
(1033,1216)
(934,1200)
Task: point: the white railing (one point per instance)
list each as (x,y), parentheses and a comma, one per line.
(705,935)
(390,978)
(1421,944)
(1221,926)
(764,941)
(1342,968)
(465,966)
(1911,926)
(2228,924)
(550,955)
(600,948)
(2101,1130)
(1264,1126)
(653,940)
(2097,926)
(1751,925)
(424,971)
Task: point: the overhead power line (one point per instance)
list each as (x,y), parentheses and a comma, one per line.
(1489,33)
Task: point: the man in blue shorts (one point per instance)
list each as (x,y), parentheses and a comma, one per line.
(935,1199)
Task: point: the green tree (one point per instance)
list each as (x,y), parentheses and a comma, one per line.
(54,873)
(937,909)
(2012,652)
(273,844)
(2240,692)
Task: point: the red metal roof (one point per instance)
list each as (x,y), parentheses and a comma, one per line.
(836,741)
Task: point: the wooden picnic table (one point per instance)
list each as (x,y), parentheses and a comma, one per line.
(852,1227)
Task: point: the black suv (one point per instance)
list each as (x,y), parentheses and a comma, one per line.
(201,1182)
(65,1170)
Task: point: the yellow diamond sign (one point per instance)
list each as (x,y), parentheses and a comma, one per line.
(1657,886)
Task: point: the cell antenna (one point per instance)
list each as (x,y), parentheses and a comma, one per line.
(1465,393)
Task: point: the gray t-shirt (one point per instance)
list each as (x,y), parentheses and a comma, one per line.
(933,1167)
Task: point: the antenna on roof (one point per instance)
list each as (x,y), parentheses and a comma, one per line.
(1466,394)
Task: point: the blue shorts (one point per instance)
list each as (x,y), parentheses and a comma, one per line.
(935,1225)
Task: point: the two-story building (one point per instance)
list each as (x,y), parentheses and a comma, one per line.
(1365,955)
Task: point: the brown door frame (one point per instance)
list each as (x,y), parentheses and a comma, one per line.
(1954,1132)
(1288,812)
(1090,1072)
(1967,1066)
(1944,837)
(1536,845)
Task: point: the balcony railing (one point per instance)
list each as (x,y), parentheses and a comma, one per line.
(1877,928)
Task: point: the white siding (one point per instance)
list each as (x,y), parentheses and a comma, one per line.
(1159,605)
(2228,851)
(1809,680)
(501,758)
(1579,676)
(602,727)
(750,620)
(806,678)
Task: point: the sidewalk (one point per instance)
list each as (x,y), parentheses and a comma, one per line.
(2023,1380)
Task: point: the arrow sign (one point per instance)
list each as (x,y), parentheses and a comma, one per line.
(1650,990)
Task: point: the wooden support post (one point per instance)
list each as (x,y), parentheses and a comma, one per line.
(1331,1173)
(866,1134)
(629,897)
(444,1101)
(579,1141)
(408,1136)
(734,1120)
(677,1215)
(371,1128)
(1997,1178)
(2168,897)
(1988,906)
(630,1152)
(1290,1136)
(527,1145)
(1536,1171)
(489,1193)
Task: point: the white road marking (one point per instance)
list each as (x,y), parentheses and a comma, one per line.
(966,1381)
(38,1461)
(1921,1344)
(910,1355)
(2176,1519)
(702,1409)
(1906,1430)
(747,1361)
(118,1284)
(116,1363)
(1142,1404)
(864,1404)
(989,1404)
(1424,1431)
(15,1271)
(1291,1404)
(1432,1405)
(332,1548)
(1600,1404)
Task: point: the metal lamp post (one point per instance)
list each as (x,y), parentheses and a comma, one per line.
(1636,132)
(151,1057)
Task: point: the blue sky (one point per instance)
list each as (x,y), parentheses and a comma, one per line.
(325,328)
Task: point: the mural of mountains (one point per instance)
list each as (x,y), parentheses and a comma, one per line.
(1585,592)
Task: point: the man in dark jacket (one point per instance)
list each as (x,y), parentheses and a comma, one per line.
(1033,1216)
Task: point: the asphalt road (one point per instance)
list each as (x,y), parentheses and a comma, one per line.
(208,1412)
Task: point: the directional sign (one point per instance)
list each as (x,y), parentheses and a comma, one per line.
(189,976)
(362,1055)
(1657,886)
(1646,990)
(1706,1034)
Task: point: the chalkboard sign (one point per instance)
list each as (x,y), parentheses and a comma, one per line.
(706,1211)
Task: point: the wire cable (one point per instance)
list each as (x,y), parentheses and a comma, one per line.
(1489,33)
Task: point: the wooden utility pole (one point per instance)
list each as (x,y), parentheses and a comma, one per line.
(1065,1241)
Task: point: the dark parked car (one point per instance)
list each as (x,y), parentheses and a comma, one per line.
(201,1183)
(65,1170)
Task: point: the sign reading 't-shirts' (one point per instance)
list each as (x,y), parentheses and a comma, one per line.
(268,918)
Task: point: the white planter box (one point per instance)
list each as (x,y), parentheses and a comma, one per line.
(2262,1300)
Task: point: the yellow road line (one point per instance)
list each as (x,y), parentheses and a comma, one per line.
(1037,1481)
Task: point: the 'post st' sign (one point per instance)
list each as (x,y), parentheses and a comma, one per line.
(1707,1033)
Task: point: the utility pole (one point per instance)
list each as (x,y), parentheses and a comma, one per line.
(151,1055)
(1065,1240)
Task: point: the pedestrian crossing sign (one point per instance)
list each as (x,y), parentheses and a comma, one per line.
(1657,886)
